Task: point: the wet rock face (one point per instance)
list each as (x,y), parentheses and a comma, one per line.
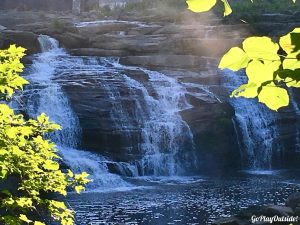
(214,134)
(163,47)
(25,39)
(188,51)
(97,109)
(100,132)
(167,48)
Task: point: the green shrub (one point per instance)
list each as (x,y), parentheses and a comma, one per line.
(30,175)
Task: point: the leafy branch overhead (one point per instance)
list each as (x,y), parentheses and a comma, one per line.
(29,159)
(206,5)
(268,72)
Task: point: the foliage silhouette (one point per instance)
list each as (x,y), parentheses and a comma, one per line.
(269,72)
(31,181)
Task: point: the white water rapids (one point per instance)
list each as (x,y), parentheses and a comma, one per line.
(163,132)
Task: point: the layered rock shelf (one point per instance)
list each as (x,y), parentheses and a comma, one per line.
(187,49)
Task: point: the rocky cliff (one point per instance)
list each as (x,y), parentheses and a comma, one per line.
(187,49)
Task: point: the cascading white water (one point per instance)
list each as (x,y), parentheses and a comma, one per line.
(164,134)
(166,143)
(49,44)
(97,167)
(256,126)
(45,95)
(297,112)
(48,96)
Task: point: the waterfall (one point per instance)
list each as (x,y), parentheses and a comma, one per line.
(148,121)
(297,112)
(152,123)
(166,140)
(256,127)
(162,154)
(46,95)
(49,44)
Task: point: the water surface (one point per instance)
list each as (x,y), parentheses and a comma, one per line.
(184,201)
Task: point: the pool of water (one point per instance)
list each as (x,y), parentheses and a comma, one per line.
(183,200)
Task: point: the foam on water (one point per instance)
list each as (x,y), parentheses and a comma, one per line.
(97,167)
(261,172)
(102,22)
(171,180)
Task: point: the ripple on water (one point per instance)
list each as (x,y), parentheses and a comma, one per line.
(180,203)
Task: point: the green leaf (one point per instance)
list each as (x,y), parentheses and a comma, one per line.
(58,204)
(16,151)
(260,73)
(290,43)
(24,202)
(70,173)
(227,8)
(51,165)
(11,132)
(274,97)
(38,223)
(261,48)
(79,189)
(200,5)
(3,172)
(292,83)
(290,77)
(291,62)
(235,59)
(249,90)
(43,118)
(24,218)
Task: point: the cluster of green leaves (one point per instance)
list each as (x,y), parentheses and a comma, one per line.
(253,11)
(30,175)
(206,5)
(10,67)
(268,71)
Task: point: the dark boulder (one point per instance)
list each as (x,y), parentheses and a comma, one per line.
(227,221)
(293,201)
(71,40)
(253,210)
(280,210)
(213,131)
(25,39)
